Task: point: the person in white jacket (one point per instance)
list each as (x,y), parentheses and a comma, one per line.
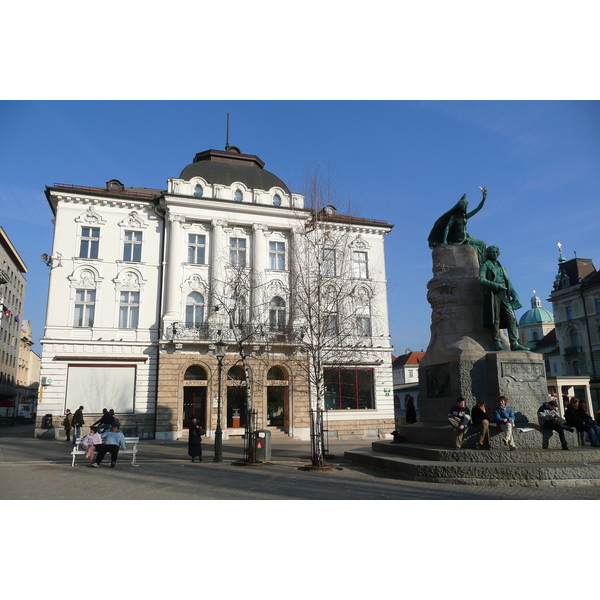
(89,443)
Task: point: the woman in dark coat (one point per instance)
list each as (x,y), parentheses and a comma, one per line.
(195,440)
(411,412)
(481,419)
(578,419)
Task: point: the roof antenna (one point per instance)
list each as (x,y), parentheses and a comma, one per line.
(227,138)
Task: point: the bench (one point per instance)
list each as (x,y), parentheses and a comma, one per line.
(130,442)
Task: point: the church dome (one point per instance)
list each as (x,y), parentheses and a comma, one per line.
(229,166)
(536,314)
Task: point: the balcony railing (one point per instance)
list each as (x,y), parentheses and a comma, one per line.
(570,350)
(4,278)
(212,333)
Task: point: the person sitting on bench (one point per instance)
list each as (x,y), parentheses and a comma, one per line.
(113,440)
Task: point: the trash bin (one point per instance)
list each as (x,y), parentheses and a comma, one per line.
(47,422)
(262,445)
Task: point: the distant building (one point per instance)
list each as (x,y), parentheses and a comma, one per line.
(12,296)
(535,323)
(405,373)
(576,304)
(28,375)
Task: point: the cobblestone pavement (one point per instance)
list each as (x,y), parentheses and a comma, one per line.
(36,469)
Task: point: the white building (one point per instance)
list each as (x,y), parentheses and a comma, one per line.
(144,282)
(576,303)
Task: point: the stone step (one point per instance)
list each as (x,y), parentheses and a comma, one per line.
(495,467)
(576,455)
(277,432)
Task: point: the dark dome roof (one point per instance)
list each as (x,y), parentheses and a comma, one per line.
(216,166)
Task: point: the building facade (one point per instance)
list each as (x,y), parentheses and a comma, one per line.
(576,305)
(159,300)
(12,298)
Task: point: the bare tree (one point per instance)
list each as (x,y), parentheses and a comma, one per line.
(332,297)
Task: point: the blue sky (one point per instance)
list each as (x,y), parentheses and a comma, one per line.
(405,162)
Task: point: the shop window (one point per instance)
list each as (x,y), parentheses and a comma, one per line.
(351,389)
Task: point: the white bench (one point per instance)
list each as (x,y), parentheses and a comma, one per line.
(130,442)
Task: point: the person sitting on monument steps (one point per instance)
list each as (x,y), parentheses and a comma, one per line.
(481,420)
(582,411)
(549,418)
(505,419)
(499,301)
(459,417)
(577,419)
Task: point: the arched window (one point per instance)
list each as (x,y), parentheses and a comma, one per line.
(195,372)
(277,313)
(238,196)
(276,374)
(194,310)
(276,200)
(199,191)
(573,338)
(535,336)
(576,368)
(236,373)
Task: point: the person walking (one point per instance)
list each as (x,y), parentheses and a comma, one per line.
(78,423)
(68,424)
(195,440)
(505,419)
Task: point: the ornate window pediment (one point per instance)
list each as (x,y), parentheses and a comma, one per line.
(133,221)
(91,217)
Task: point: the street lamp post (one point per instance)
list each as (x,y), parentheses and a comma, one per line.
(220,354)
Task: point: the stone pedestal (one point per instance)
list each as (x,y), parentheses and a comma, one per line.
(461,360)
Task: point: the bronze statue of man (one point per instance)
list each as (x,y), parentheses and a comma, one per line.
(500,300)
(451,227)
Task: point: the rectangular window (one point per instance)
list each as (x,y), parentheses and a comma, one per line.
(363,326)
(330,325)
(129,307)
(569,312)
(328,262)
(277,256)
(85,302)
(359,265)
(598,305)
(237,252)
(349,389)
(196,249)
(89,243)
(132,249)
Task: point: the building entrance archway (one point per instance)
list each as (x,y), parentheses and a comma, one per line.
(194,395)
